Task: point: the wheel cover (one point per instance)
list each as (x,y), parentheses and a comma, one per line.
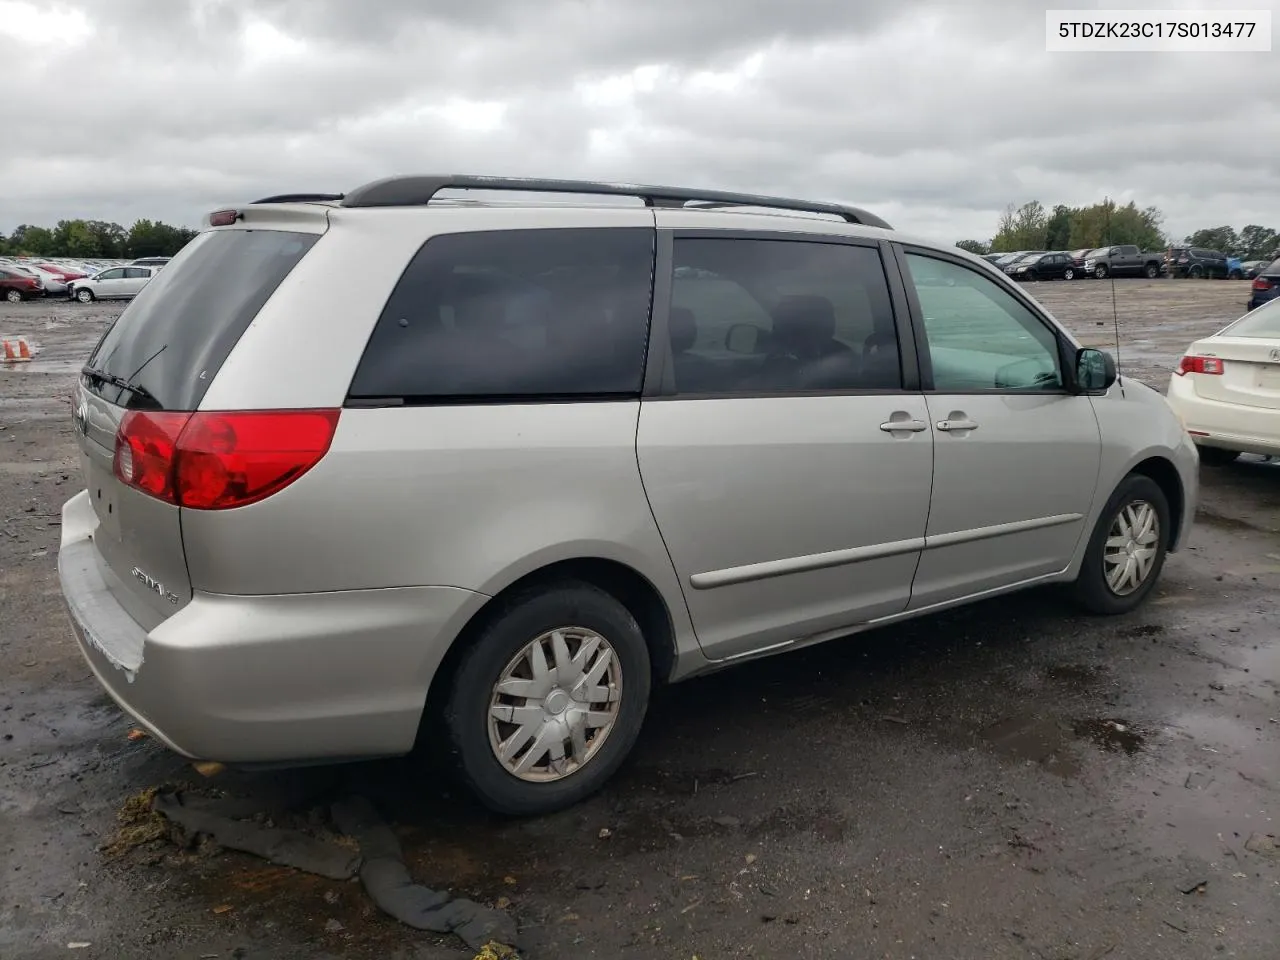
(84,296)
(555,704)
(1133,544)
(13,296)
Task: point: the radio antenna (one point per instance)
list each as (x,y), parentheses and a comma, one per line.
(1111,275)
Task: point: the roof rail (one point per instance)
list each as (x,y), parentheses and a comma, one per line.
(415,190)
(301,198)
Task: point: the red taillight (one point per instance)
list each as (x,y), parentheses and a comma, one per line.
(217,460)
(1262,283)
(1210,365)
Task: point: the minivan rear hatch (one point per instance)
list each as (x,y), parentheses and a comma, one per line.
(154,364)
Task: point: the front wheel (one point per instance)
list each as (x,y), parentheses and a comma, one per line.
(1195,273)
(1151,271)
(548,699)
(84,295)
(1100,271)
(1127,549)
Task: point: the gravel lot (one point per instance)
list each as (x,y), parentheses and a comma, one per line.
(1009,780)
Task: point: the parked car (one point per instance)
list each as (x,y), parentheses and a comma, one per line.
(1044,266)
(156,262)
(1252,268)
(1196,263)
(1266,286)
(1005,259)
(1078,258)
(1227,388)
(115,283)
(1122,260)
(508,482)
(62,271)
(52,282)
(16,285)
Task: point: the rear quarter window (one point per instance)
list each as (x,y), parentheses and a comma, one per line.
(175,335)
(518,315)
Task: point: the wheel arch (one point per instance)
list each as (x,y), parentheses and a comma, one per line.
(635,591)
(1164,474)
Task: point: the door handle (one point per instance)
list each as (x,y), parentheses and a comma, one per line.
(906,426)
(949,425)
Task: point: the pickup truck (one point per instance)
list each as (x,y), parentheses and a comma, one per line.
(1122,260)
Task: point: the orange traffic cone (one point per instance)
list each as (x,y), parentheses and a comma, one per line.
(15,351)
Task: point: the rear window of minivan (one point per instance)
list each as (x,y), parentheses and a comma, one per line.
(176,333)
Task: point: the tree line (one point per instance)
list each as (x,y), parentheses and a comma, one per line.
(93,239)
(1033,227)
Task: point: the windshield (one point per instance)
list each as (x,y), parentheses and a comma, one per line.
(1263,323)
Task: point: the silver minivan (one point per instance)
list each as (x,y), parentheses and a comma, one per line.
(545,455)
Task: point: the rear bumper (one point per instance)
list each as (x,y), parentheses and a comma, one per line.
(1225,425)
(264,679)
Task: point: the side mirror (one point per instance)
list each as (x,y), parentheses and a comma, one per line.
(1095,370)
(742,338)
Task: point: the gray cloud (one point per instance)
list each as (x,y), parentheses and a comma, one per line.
(934,114)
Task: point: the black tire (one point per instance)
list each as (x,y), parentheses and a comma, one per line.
(466,711)
(1217,457)
(1196,272)
(1069,273)
(84,295)
(1100,271)
(13,296)
(1090,589)
(1151,271)
(1032,276)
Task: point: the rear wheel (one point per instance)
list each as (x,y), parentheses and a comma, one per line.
(1217,457)
(548,699)
(1127,549)
(84,295)
(13,296)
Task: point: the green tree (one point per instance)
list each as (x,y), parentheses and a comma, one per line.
(1058,229)
(974,246)
(1022,228)
(1258,243)
(1222,239)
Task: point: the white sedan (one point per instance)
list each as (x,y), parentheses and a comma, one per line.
(117,283)
(1226,389)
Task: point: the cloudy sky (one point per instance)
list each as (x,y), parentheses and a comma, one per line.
(933,113)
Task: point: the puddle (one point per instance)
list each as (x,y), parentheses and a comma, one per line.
(1038,740)
(1111,735)
(1074,676)
(1052,743)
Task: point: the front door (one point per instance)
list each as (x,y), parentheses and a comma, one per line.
(1016,456)
(787,465)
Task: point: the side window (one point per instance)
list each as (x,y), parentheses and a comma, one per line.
(515,314)
(780,316)
(115,274)
(980,336)
(136,273)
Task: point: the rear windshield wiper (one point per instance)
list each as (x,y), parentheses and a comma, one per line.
(142,393)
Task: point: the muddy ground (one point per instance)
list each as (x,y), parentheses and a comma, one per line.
(1010,780)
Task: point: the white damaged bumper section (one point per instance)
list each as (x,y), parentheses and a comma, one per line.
(264,679)
(102,622)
